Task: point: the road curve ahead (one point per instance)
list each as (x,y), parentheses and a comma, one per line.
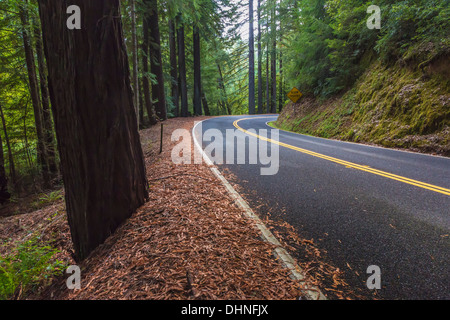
(363,205)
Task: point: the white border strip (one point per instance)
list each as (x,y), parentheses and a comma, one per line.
(312,293)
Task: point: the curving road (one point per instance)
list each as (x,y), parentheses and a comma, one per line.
(368,205)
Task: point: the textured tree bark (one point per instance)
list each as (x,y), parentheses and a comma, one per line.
(197,73)
(158,94)
(182,69)
(96,126)
(251,78)
(35,99)
(174,67)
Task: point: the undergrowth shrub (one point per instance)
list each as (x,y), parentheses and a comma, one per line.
(29,266)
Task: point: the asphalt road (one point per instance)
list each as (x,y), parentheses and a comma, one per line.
(368,205)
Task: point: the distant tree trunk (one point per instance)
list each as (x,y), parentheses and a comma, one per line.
(274,61)
(281,93)
(135,60)
(12,168)
(197,73)
(224,90)
(25,137)
(35,99)
(268,101)
(142,122)
(251,79)
(4,194)
(145,67)
(281,85)
(45,98)
(260,77)
(101,156)
(174,67)
(205,105)
(158,93)
(182,69)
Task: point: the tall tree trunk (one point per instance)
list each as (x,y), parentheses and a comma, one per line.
(4,194)
(25,137)
(281,94)
(197,73)
(205,105)
(45,98)
(182,68)
(174,67)
(145,68)
(101,156)
(268,101)
(12,168)
(135,60)
(35,99)
(142,122)
(260,77)
(251,79)
(224,90)
(281,90)
(274,60)
(158,94)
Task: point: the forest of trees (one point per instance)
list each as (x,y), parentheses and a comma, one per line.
(186,58)
(209,57)
(180,58)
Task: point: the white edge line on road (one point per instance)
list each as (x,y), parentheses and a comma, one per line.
(312,292)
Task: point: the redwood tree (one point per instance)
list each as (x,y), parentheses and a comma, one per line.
(260,80)
(135,59)
(251,79)
(182,67)
(146,78)
(174,67)
(96,126)
(158,94)
(197,73)
(4,194)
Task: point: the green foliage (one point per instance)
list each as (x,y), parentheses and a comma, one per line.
(30,265)
(390,106)
(47,199)
(332,46)
(413,25)
(220,46)
(14,92)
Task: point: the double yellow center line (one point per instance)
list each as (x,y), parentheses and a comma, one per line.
(347,164)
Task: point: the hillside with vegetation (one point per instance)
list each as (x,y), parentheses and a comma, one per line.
(388,87)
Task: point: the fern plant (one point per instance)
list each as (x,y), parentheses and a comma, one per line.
(30,265)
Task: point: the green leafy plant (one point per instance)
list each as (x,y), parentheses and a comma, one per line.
(46,199)
(30,265)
